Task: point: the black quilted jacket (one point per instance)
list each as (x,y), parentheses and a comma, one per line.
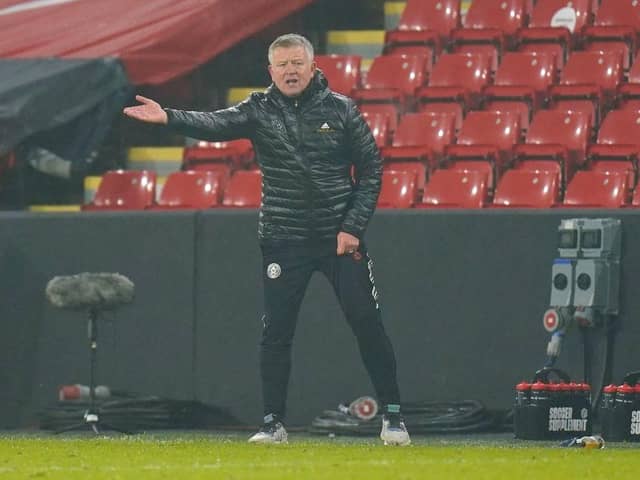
(305,148)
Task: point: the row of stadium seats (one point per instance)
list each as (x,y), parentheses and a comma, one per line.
(460,186)
(524,83)
(558,140)
(424,67)
(136,190)
(497,25)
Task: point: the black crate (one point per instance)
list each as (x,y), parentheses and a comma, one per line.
(546,410)
(620,410)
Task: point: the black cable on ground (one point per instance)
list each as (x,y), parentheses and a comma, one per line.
(421,417)
(139,413)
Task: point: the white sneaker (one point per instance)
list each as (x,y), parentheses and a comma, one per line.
(394,432)
(273,432)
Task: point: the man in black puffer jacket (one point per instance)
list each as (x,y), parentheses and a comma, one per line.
(312,218)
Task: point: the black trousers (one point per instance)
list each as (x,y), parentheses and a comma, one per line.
(287,270)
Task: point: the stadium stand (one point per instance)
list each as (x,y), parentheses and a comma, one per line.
(566,92)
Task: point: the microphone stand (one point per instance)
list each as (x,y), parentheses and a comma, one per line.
(91,415)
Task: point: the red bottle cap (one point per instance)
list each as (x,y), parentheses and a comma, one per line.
(637,388)
(539,386)
(554,387)
(626,388)
(523,386)
(611,388)
(583,387)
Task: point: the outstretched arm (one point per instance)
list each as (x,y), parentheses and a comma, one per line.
(221,125)
(150,111)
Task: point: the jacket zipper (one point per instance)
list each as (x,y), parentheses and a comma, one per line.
(307,167)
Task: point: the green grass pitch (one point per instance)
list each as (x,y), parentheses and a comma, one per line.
(228,456)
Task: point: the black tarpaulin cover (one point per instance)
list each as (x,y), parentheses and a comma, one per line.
(38,95)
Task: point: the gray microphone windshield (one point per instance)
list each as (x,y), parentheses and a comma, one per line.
(83,291)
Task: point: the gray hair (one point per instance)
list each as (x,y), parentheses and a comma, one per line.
(291,40)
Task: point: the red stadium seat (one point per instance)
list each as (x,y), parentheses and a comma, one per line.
(620,128)
(236,153)
(124,190)
(379,126)
(629,93)
(619,167)
(391,74)
(342,71)
(440,16)
(597,189)
(455,189)
(489,27)
(424,27)
(390,111)
(452,110)
(555,25)
(412,42)
(487,138)
(506,16)
(398,189)
(589,83)
(521,85)
(618,144)
(615,28)
(421,136)
(191,190)
(635,199)
(244,190)
(416,168)
(457,79)
(558,138)
(527,188)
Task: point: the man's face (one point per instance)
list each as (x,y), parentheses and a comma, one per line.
(291,70)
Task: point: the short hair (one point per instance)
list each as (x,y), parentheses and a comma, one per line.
(290,40)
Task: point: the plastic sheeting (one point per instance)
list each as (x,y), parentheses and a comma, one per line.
(156,40)
(42,95)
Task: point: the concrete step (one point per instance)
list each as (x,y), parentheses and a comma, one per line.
(162,160)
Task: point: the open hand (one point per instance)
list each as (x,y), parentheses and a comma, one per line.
(149,111)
